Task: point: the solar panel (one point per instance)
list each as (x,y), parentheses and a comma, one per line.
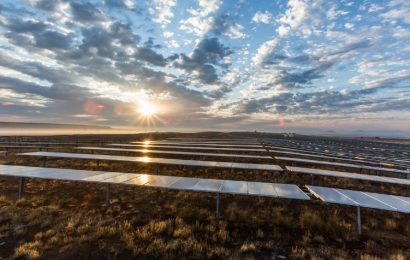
(145,151)
(184,183)
(394,201)
(349,175)
(154,160)
(73,175)
(208,185)
(121,178)
(139,181)
(192,147)
(224,164)
(405,199)
(235,187)
(289,191)
(330,195)
(324,156)
(198,144)
(161,181)
(102,176)
(261,189)
(171,182)
(362,199)
(340,164)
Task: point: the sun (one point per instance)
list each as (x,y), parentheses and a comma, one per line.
(147,109)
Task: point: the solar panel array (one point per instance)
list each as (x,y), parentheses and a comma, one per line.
(146,151)
(349,175)
(273,190)
(327,154)
(375,153)
(197,163)
(341,164)
(197,144)
(192,147)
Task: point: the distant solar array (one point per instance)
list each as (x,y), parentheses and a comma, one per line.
(348,175)
(301,154)
(341,164)
(246,145)
(195,163)
(192,147)
(341,157)
(146,151)
(370,152)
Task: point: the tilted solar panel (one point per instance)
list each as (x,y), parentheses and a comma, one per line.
(359,198)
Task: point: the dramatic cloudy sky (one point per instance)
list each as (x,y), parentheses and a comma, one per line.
(266,65)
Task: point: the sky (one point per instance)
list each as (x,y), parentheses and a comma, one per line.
(207,64)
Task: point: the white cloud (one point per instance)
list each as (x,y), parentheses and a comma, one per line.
(294,16)
(173,44)
(235,31)
(196,25)
(209,6)
(262,17)
(199,23)
(333,13)
(163,11)
(349,25)
(264,51)
(400,11)
(168,34)
(374,8)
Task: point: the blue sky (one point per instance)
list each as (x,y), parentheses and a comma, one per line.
(242,65)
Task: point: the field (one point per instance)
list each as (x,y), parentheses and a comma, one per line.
(67,220)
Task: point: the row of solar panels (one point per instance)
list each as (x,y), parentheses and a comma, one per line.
(181,183)
(275,190)
(309,153)
(315,155)
(150,143)
(315,146)
(192,147)
(330,151)
(345,146)
(347,165)
(195,163)
(250,166)
(349,175)
(147,151)
(310,171)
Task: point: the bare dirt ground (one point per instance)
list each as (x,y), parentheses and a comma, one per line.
(68,220)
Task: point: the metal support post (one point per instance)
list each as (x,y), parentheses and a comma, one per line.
(358,220)
(217,205)
(21,187)
(107,195)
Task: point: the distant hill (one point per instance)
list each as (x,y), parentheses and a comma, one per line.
(48,126)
